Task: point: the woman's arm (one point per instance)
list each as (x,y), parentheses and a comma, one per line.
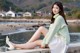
(53,30)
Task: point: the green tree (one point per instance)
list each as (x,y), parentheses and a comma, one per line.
(4,5)
(1,4)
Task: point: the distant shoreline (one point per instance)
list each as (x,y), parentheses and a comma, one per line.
(34,20)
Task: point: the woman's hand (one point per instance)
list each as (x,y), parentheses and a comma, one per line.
(42,46)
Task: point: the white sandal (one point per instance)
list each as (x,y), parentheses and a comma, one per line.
(11,47)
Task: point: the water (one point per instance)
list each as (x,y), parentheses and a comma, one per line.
(17,22)
(73,27)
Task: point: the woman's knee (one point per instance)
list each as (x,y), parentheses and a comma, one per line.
(41,27)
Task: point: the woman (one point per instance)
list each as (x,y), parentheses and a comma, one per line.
(56,38)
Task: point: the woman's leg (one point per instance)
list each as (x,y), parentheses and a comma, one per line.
(37,34)
(29,45)
(33,41)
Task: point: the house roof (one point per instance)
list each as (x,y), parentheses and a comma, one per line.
(10,12)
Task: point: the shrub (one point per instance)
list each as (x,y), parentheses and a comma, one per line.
(78,15)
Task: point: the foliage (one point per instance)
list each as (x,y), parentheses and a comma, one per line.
(77,15)
(4,5)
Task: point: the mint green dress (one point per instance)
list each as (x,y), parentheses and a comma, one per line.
(57,37)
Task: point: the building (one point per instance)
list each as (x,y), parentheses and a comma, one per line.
(2,14)
(10,13)
(39,13)
(19,14)
(27,14)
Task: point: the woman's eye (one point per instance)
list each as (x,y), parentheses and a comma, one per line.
(56,7)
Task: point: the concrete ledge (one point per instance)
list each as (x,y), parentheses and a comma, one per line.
(73,48)
(39,50)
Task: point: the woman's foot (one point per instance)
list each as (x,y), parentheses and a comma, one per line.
(11,47)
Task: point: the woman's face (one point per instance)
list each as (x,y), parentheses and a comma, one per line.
(55,9)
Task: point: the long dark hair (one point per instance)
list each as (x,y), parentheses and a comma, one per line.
(61,11)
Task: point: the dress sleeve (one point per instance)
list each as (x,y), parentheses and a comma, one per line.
(52,30)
